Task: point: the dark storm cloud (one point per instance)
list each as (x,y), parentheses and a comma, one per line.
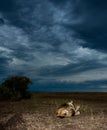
(6,5)
(70,69)
(90,21)
(54,40)
(3,61)
(2,21)
(93,27)
(3,68)
(41,20)
(24,11)
(36,18)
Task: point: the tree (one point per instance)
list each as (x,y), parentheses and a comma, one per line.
(17,87)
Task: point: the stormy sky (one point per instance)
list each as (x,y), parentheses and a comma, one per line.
(61,45)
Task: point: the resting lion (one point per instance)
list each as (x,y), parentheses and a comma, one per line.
(68,110)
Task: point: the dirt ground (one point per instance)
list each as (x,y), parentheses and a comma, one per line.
(39,112)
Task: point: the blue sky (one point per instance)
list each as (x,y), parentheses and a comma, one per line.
(61,45)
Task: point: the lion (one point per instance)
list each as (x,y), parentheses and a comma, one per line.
(68,110)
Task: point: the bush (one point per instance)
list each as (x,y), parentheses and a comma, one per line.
(15,88)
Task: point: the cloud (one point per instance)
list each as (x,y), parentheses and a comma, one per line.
(89,75)
(6,5)
(54,41)
(92,23)
(77,72)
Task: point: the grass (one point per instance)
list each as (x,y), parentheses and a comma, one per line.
(39,112)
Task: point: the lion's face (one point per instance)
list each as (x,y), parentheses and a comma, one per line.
(65,112)
(62,112)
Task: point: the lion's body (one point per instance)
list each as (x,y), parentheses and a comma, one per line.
(68,110)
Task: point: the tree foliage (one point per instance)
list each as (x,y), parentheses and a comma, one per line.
(15,87)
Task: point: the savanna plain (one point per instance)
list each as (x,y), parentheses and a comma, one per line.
(39,112)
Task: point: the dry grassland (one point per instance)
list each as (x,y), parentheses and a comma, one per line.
(39,112)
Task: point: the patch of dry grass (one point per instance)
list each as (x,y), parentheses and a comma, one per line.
(39,113)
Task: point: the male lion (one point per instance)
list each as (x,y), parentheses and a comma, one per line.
(68,110)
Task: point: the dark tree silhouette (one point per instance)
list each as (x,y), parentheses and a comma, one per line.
(17,86)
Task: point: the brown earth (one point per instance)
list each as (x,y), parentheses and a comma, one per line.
(39,112)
